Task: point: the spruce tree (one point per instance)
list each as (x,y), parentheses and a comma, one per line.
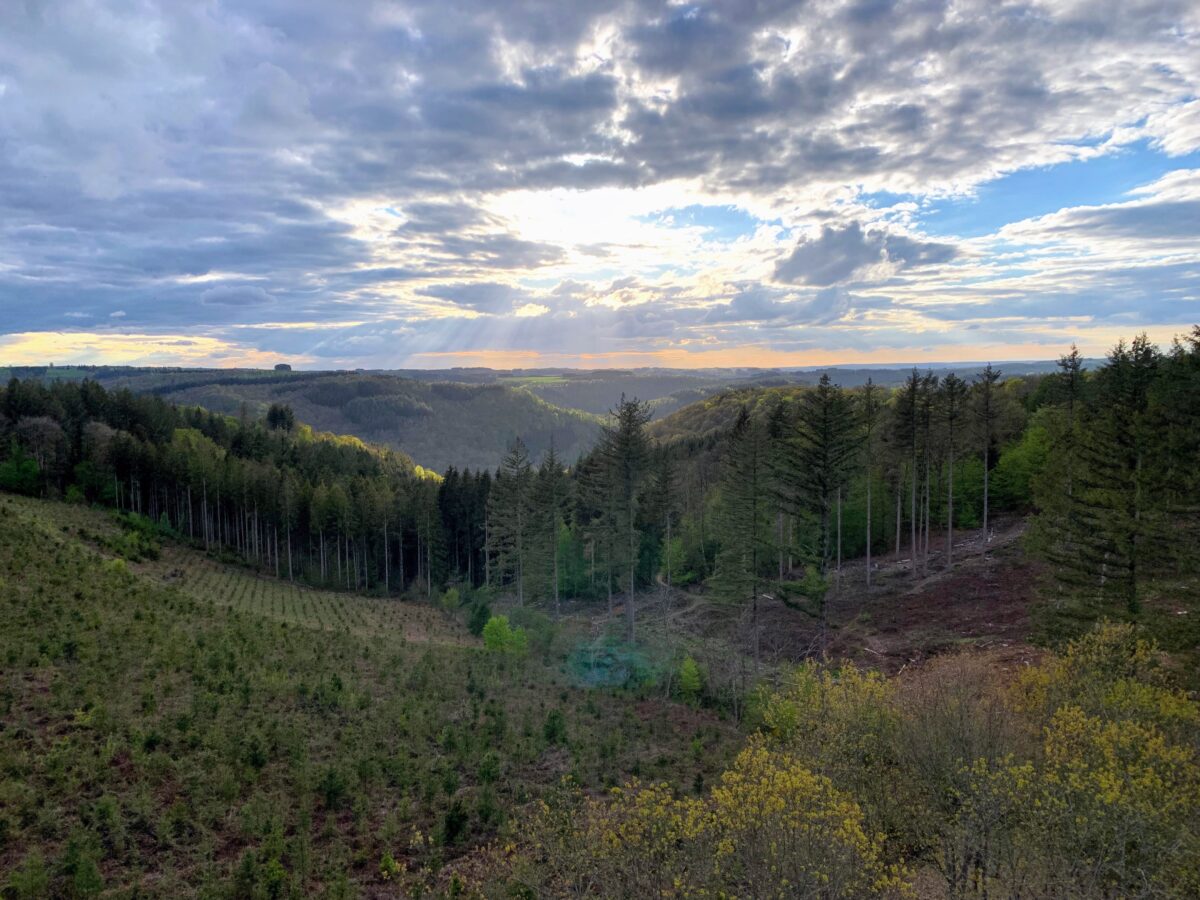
(625,451)
(549,507)
(823,449)
(510,515)
(986,413)
(745,525)
(1106,528)
(870,406)
(953,402)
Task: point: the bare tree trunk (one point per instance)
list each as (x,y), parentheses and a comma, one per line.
(839,540)
(928,510)
(950,510)
(912,516)
(554,545)
(869,535)
(986,449)
(899,494)
(629,611)
(779,539)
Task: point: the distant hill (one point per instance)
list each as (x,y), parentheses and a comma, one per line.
(466,417)
(712,416)
(438,424)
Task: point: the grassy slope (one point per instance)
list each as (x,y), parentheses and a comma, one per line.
(189,728)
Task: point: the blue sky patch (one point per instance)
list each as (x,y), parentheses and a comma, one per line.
(722,223)
(1036,192)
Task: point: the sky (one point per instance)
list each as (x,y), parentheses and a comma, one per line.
(524,184)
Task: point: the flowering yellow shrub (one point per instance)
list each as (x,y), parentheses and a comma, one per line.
(771,828)
(779,830)
(1082,780)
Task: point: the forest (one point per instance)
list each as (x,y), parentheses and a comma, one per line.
(797,774)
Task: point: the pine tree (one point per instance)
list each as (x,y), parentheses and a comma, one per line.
(986,413)
(745,526)
(625,451)
(906,438)
(929,397)
(870,405)
(823,450)
(510,516)
(953,401)
(1104,528)
(549,506)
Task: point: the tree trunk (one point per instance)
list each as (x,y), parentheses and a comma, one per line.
(839,541)
(899,495)
(950,510)
(629,611)
(912,515)
(869,535)
(986,448)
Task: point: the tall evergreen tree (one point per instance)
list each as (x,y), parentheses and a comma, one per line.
(953,402)
(744,517)
(549,507)
(1114,528)
(824,445)
(906,434)
(510,516)
(625,451)
(870,407)
(987,411)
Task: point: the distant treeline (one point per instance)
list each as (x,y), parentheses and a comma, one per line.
(781,486)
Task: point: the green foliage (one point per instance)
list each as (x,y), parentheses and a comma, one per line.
(500,637)
(481,614)
(554,730)
(537,627)
(450,601)
(19,474)
(1081,780)
(197,705)
(691,680)
(1019,467)
(29,880)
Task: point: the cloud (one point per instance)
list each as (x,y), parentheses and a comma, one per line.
(488,297)
(841,253)
(235,295)
(407,168)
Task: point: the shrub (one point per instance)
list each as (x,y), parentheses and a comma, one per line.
(771,828)
(691,682)
(555,728)
(449,601)
(500,637)
(538,628)
(481,613)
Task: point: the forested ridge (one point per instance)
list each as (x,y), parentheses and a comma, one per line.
(1078,778)
(786,485)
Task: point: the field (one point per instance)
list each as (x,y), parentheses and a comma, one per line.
(180,727)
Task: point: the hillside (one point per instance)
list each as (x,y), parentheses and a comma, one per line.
(712,416)
(438,424)
(176,726)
